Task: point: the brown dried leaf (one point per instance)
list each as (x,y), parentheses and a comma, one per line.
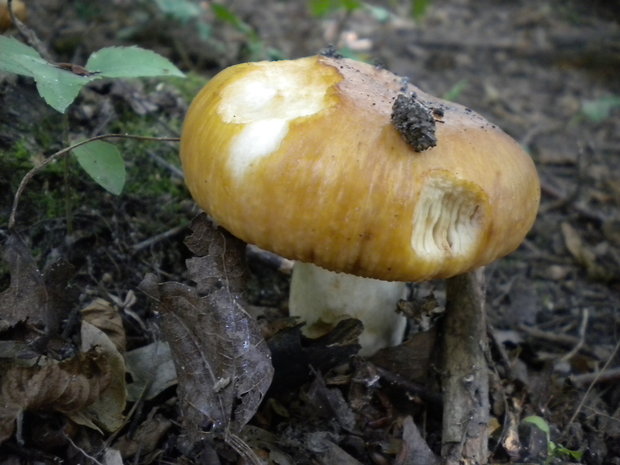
(26,298)
(293,355)
(415,450)
(328,452)
(33,297)
(146,437)
(410,359)
(152,370)
(105,316)
(223,363)
(65,387)
(581,253)
(220,258)
(107,411)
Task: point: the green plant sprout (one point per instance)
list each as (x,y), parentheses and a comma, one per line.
(60,83)
(554,450)
(600,109)
(456,90)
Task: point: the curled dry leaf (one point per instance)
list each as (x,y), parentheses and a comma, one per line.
(88,388)
(222,362)
(67,387)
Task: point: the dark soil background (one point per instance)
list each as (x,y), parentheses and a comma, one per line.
(547,72)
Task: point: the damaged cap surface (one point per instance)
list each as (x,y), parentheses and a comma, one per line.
(302,158)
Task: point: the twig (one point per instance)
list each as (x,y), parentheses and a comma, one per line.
(158,237)
(28,34)
(555,338)
(594,381)
(465,379)
(82,451)
(582,337)
(416,389)
(242,448)
(174,170)
(602,376)
(55,156)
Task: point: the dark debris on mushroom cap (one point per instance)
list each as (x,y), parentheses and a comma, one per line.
(414,121)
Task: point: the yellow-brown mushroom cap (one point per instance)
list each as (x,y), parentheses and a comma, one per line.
(300,157)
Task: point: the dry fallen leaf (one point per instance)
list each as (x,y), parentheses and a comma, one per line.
(105,316)
(152,370)
(28,297)
(582,254)
(106,412)
(67,387)
(223,364)
(415,450)
(145,438)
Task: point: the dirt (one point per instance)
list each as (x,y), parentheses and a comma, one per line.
(544,71)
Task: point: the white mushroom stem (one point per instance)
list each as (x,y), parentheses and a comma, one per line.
(321,298)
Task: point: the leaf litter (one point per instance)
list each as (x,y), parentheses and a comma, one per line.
(88,387)
(222,362)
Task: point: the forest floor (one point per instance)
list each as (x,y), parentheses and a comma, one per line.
(544,71)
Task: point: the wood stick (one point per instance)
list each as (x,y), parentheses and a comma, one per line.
(465,373)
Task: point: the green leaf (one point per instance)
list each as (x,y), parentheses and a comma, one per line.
(228,16)
(418,8)
(574,454)
(182,10)
(378,13)
(12,54)
(58,87)
(599,110)
(455,91)
(130,62)
(539,422)
(322,8)
(103,162)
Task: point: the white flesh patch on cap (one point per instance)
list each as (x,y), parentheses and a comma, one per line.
(446,222)
(265,101)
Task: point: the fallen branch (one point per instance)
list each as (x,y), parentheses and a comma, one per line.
(464,375)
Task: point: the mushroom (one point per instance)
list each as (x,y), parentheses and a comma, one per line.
(362,178)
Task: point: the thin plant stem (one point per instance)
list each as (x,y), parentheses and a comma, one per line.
(63,152)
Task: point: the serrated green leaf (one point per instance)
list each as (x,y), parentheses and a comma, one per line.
(58,87)
(130,62)
(103,162)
